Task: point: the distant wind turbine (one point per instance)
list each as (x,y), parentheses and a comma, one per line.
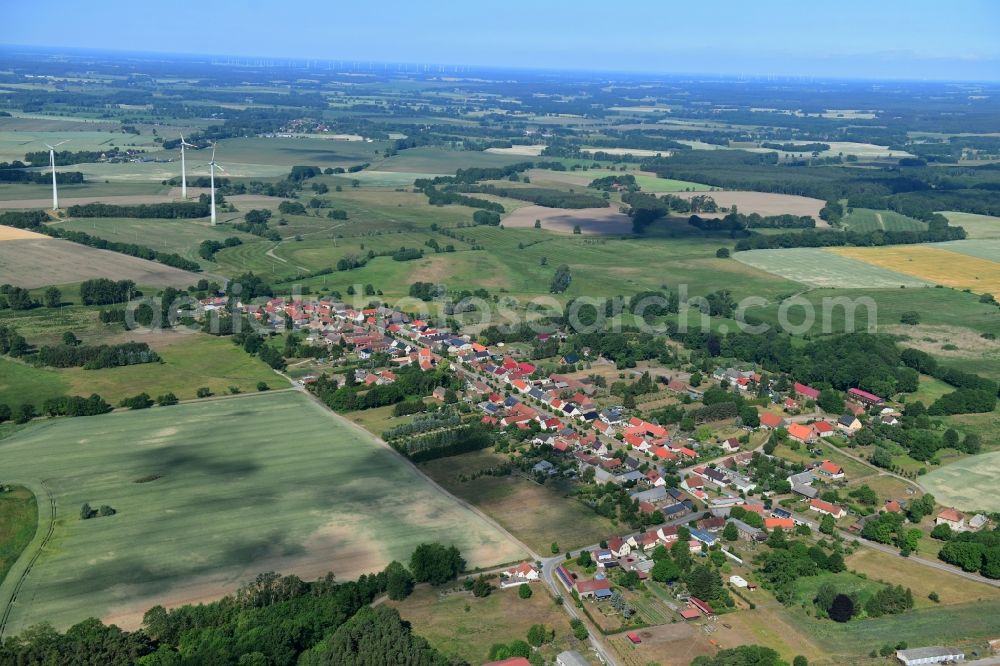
(52,165)
(184,181)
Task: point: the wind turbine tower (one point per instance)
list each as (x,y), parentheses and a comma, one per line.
(212,166)
(184,181)
(52,165)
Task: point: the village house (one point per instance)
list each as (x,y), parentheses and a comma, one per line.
(825,508)
(953,518)
(520,575)
(849,424)
(823,429)
(830,470)
(771,421)
(801,433)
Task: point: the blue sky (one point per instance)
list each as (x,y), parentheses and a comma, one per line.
(912,39)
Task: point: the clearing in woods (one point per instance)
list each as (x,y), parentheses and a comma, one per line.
(863,220)
(933,264)
(209,494)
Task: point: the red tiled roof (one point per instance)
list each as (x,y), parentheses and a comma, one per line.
(770,419)
(952,515)
(825,506)
(807,391)
(831,468)
(799,431)
(593,585)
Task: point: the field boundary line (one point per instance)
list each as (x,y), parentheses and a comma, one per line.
(25,560)
(439,488)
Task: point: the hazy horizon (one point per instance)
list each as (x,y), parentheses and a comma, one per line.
(856,40)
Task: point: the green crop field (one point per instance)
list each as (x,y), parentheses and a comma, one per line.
(443,161)
(180,236)
(976,226)
(209,494)
(818,268)
(936,306)
(26,192)
(986,248)
(188,362)
(969,484)
(14,144)
(863,220)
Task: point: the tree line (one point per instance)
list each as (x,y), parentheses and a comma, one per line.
(272,619)
(169,211)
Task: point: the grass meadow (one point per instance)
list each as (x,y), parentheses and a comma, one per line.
(18,522)
(977,226)
(188,362)
(536,514)
(465,627)
(863,220)
(209,494)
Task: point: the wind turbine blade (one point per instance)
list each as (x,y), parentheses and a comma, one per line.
(62,142)
(48,146)
(213,152)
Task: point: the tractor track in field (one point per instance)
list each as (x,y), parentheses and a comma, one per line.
(9,605)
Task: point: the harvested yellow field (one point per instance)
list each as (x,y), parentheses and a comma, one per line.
(13,233)
(931,264)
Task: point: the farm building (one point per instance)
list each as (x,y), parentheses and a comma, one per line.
(738,581)
(804,391)
(748,532)
(702,606)
(864,397)
(634,637)
(513,661)
(819,506)
(929,655)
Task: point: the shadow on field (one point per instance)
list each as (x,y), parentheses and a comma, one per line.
(174,460)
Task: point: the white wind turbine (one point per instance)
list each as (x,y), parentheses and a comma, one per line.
(184,182)
(212,166)
(52,165)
